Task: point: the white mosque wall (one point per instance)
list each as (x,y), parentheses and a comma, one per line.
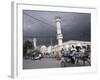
(65,45)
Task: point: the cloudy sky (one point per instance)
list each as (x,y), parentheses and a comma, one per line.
(42,25)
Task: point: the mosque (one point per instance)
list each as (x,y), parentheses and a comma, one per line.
(60,43)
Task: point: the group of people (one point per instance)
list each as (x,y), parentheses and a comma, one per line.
(76,52)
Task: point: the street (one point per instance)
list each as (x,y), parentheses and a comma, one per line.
(47,63)
(43,63)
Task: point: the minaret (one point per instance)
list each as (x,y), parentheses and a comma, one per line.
(34,42)
(59,33)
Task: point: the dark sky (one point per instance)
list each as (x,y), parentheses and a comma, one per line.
(42,24)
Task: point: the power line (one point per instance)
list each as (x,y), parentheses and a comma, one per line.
(37,36)
(39,20)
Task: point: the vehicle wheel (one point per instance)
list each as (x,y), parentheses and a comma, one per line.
(63,64)
(39,58)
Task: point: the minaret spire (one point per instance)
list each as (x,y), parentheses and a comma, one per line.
(59,33)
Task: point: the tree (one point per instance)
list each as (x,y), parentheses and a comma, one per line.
(27,45)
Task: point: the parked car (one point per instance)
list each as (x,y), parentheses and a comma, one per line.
(36,55)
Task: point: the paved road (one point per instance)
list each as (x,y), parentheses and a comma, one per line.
(46,63)
(43,63)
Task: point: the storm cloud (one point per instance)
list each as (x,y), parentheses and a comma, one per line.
(42,25)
